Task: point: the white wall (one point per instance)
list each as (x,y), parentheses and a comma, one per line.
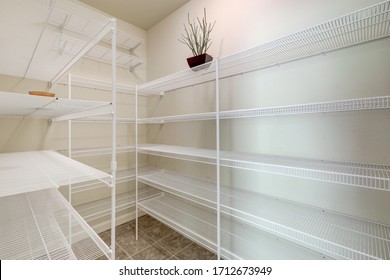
(352,73)
(239,25)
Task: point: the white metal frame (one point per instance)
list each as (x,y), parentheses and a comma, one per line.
(101,108)
(109,28)
(364,26)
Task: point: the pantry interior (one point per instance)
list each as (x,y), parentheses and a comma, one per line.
(276,149)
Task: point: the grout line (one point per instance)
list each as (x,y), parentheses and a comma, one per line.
(123,250)
(192,242)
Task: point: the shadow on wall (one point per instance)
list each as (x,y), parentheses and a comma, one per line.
(23,134)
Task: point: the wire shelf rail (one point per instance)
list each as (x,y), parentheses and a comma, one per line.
(200,226)
(333,234)
(372,176)
(39,225)
(358,104)
(30,171)
(366,25)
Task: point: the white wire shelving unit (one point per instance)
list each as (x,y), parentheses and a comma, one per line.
(57,230)
(358,104)
(92,83)
(102,207)
(23,172)
(123,176)
(363,26)
(97,151)
(209,213)
(334,234)
(200,225)
(74,29)
(42,225)
(372,176)
(53,108)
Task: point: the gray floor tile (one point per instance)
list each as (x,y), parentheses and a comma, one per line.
(194,252)
(132,246)
(158,231)
(174,242)
(145,222)
(154,252)
(156,241)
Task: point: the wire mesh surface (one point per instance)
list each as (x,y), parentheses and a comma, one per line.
(179,152)
(364,175)
(39,225)
(373,176)
(103,54)
(45,26)
(125,40)
(178,118)
(359,104)
(14,104)
(242,241)
(190,188)
(334,234)
(102,207)
(30,171)
(96,151)
(200,225)
(122,176)
(369,24)
(194,222)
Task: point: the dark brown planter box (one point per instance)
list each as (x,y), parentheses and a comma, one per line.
(199,60)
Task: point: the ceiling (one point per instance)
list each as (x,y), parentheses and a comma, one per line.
(142,13)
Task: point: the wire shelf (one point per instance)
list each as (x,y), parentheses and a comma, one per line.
(250,243)
(30,171)
(334,234)
(87,82)
(180,79)
(369,24)
(14,104)
(177,152)
(98,151)
(359,104)
(200,226)
(366,25)
(198,191)
(101,208)
(179,118)
(53,23)
(103,54)
(41,225)
(125,41)
(122,176)
(372,176)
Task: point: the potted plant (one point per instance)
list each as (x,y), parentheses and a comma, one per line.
(197,38)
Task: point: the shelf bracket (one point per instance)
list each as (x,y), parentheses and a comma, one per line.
(131,50)
(132,67)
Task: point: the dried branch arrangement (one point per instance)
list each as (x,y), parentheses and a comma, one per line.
(197,35)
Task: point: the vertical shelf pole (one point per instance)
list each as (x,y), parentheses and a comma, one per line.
(113,159)
(218,160)
(70,156)
(136,162)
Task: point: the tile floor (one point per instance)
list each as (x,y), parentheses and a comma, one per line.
(156,241)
